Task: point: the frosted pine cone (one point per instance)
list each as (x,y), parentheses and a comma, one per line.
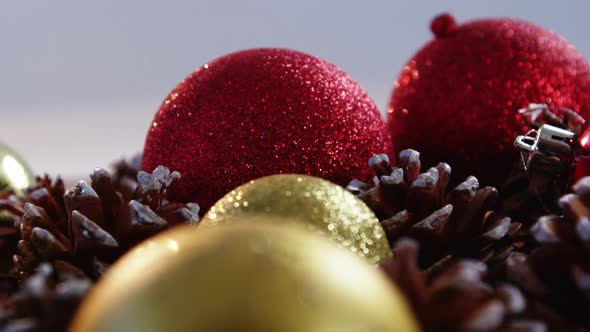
(460,222)
(454,297)
(93,224)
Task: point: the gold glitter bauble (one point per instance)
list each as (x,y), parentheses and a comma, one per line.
(309,200)
(243,277)
(15,174)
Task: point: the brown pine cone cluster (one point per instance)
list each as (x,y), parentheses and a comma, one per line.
(454,297)
(64,241)
(460,223)
(123,178)
(93,224)
(476,270)
(556,274)
(46,300)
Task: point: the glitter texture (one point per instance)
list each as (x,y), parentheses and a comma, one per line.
(260,112)
(457,98)
(312,201)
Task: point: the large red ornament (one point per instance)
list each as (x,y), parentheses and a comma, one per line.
(457,98)
(259,112)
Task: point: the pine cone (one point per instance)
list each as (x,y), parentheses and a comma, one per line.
(66,240)
(10,212)
(538,180)
(460,222)
(535,192)
(454,297)
(557,273)
(92,225)
(124,176)
(47,300)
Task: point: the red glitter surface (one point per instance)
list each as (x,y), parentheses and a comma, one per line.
(259,112)
(457,98)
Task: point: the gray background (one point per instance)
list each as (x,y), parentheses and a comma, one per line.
(80,80)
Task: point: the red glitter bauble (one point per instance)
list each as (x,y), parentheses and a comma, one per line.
(457,98)
(259,112)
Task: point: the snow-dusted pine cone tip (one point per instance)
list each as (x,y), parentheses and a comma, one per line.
(460,222)
(93,224)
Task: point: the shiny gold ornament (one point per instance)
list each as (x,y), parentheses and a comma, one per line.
(15,174)
(313,201)
(243,277)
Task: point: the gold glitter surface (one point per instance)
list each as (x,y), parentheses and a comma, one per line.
(318,203)
(256,276)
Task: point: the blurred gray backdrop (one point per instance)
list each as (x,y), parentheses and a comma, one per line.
(80,80)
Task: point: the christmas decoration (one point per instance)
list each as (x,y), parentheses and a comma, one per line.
(262,258)
(92,225)
(457,223)
(15,174)
(455,297)
(552,156)
(318,203)
(260,112)
(456,99)
(243,277)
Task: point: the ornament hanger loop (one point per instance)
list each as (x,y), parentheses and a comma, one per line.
(548,139)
